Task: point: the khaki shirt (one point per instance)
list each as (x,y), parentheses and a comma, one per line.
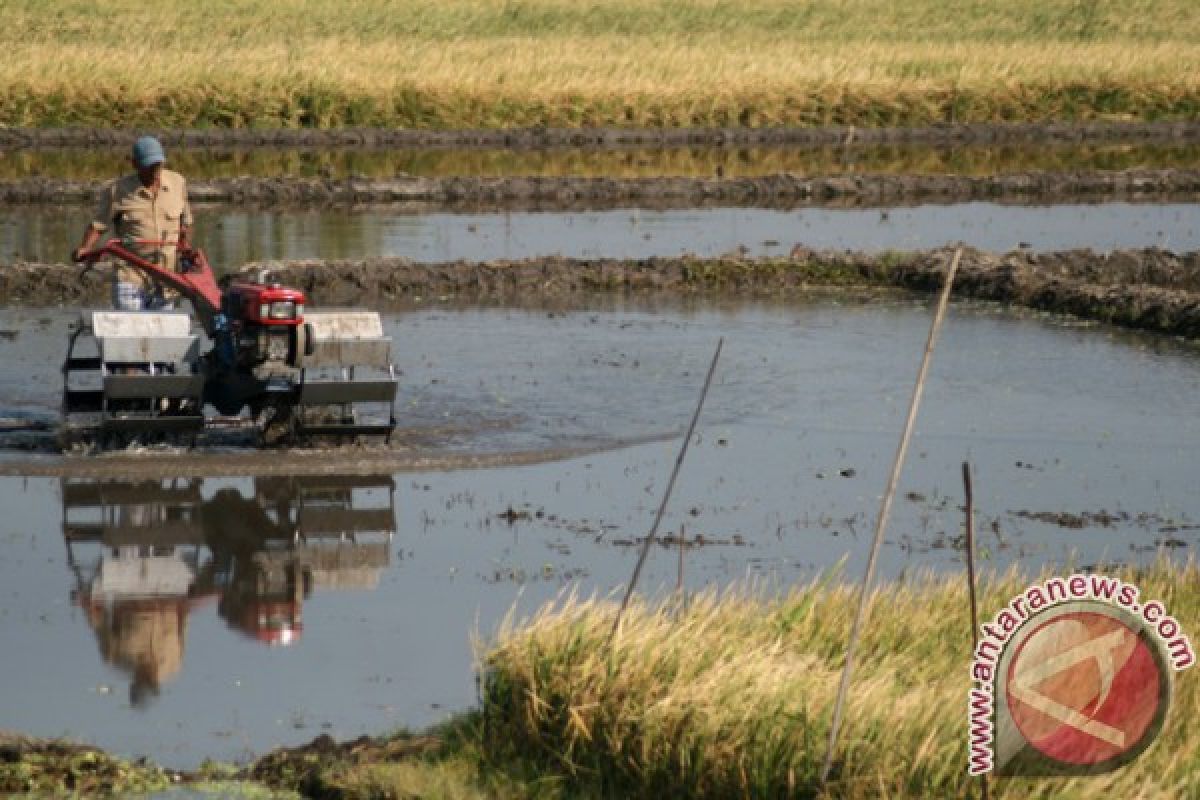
(133,211)
(145,637)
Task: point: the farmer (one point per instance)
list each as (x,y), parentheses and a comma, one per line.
(151,205)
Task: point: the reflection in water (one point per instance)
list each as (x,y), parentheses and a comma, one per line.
(199,163)
(233,236)
(165,548)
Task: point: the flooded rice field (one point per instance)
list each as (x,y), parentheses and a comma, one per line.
(187,618)
(200,163)
(233,236)
(186,605)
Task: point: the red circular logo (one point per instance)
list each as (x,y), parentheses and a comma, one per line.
(1086,688)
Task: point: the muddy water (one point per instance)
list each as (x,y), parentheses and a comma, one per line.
(201,163)
(233,237)
(185,618)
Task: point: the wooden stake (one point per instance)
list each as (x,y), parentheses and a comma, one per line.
(970,513)
(884,510)
(679,580)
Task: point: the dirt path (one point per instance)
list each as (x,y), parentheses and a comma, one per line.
(613,137)
(783,190)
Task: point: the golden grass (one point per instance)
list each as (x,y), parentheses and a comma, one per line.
(733,695)
(475,63)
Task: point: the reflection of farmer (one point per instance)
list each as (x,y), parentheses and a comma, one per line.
(144,637)
(151,571)
(150,205)
(137,595)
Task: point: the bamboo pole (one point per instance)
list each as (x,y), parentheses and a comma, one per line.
(884,510)
(637,570)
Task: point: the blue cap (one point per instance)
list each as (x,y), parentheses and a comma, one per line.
(148,151)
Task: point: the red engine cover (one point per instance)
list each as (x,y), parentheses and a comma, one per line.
(248,300)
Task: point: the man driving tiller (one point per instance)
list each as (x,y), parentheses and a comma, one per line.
(259,360)
(149,207)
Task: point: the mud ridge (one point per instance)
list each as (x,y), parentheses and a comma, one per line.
(40,767)
(610,137)
(1150,289)
(346,461)
(781,190)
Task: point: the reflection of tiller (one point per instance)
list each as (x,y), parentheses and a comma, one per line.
(294,372)
(165,548)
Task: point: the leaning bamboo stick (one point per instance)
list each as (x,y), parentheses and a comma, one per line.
(637,570)
(884,511)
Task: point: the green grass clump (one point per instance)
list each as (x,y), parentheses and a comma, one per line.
(732,695)
(485,64)
(53,769)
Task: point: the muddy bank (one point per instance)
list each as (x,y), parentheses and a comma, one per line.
(55,768)
(334,461)
(782,190)
(972,158)
(59,767)
(1150,289)
(318,769)
(610,137)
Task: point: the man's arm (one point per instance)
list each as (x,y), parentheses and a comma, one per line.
(90,237)
(100,222)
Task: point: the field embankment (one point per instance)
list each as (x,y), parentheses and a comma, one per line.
(1150,289)
(783,190)
(627,63)
(42,768)
(92,155)
(1097,132)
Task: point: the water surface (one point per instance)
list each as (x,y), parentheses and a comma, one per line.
(233,237)
(219,617)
